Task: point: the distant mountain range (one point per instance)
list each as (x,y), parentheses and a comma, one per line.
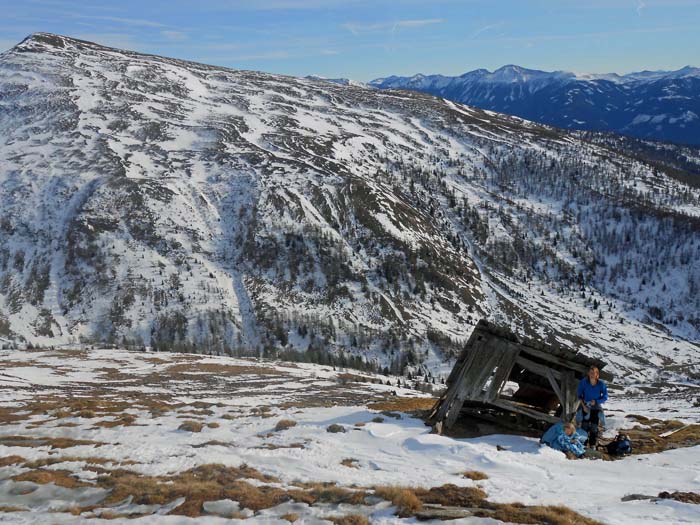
(660,105)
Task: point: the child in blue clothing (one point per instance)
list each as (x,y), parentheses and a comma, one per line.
(592,393)
(565,437)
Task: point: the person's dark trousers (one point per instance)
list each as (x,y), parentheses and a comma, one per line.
(590,425)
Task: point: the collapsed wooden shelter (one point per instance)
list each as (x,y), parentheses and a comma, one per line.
(510,381)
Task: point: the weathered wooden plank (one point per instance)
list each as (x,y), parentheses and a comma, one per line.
(453,389)
(555,359)
(555,386)
(514,407)
(504,367)
(569,385)
(537,367)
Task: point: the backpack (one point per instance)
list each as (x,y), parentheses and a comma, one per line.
(620,446)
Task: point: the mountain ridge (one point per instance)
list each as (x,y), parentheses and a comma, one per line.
(153,201)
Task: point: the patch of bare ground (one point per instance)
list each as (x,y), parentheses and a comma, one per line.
(403,404)
(685,497)
(403,498)
(195,368)
(123,420)
(11,460)
(653,435)
(200,484)
(213,443)
(475,475)
(45,462)
(453,502)
(61,478)
(34,442)
(539,515)
(350,463)
(191,426)
(12,509)
(348,519)
(272,446)
(284,424)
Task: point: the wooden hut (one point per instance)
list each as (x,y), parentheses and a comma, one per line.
(510,381)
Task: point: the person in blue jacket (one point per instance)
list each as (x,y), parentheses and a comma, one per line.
(592,393)
(565,437)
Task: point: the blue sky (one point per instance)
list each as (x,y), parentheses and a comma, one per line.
(365,39)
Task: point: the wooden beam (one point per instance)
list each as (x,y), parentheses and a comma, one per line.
(555,359)
(555,387)
(514,407)
(537,368)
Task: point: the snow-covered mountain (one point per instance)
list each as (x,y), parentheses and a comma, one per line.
(148,200)
(661,105)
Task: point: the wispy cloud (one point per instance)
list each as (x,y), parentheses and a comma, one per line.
(640,6)
(175,36)
(356,29)
(486,29)
(135,22)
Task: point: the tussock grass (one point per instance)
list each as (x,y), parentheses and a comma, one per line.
(11,460)
(475,475)
(685,497)
(403,498)
(45,462)
(191,426)
(34,442)
(61,478)
(451,495)
(284,424)
(404,404)
(335,428)
(197,368)
(290,517)
(213,424)
(537,515)
(350,463)
(4,508)
(348,519)
(123,420)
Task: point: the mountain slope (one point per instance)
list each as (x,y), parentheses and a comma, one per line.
(661,105)
(148,200)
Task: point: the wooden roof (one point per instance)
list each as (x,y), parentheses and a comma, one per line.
(543,351)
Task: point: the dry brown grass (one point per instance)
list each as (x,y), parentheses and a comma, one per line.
(213,443)
(61,478)
(451,495)
(685,497)
(284,424)
(350,463)
(11,460)
(348,519)
(4,508)
(290,517)
(45,462)
(403,498)
(328,493)
(203,483)
(647,439)
(537,515)
(191,426)
(123,420)
(34,442)
(272,446)
(213,424)
(197,368)
(475,475)
(404,404)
